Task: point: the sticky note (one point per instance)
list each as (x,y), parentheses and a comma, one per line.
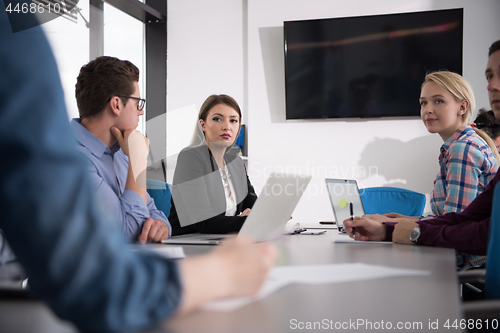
(343,203)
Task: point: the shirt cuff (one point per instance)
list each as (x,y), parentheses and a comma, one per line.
(134,204)
(169,228)
(389,228)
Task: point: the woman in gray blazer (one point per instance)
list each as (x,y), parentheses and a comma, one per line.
(211,192)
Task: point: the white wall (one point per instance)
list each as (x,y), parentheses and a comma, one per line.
(204,51)
(123,38)
(233,47)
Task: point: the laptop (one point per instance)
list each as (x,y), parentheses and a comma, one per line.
(342,192)
(268,216)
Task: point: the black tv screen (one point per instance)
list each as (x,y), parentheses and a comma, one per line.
(367,66)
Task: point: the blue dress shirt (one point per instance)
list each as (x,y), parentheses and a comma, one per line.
(108,169)
(77,261)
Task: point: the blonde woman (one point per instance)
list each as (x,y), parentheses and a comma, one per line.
(468,158)
(468,161)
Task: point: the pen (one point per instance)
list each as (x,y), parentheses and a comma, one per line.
(351,208)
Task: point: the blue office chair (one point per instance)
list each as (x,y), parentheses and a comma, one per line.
(161,193)
(383,200)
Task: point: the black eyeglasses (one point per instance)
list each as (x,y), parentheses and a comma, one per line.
(141,103)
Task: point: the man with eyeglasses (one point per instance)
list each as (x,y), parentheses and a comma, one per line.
(109,104)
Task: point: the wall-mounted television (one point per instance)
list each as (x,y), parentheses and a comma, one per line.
(367,66)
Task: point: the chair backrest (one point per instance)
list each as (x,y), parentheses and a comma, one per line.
(161,193)
(492,285)
(383,200)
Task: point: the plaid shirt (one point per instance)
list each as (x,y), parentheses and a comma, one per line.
(467,164)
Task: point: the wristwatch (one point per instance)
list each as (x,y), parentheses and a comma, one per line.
(415,234)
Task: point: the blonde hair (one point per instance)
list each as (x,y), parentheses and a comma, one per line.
(461,90)
(457,86)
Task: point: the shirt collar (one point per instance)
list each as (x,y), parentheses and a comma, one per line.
(460,133)
(89,141)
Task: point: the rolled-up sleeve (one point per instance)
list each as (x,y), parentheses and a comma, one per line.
(158,214)
(128,209)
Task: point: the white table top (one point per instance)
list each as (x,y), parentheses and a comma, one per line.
(415,300)
(406,300)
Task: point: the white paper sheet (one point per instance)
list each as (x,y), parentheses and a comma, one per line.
(314,274)
(344,238)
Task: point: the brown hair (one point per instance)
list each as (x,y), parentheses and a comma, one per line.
(100,80)
(214,100)
(487,122)
(494,47)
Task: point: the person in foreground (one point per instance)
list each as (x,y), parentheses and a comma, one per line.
(109,103)
(76,258)
(211,191)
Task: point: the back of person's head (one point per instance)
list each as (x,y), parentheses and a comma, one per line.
(100,80)
(494,47)
(487,122)
(457,86)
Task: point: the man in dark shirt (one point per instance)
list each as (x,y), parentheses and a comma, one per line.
(466,231)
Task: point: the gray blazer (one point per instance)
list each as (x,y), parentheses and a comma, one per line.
(198,198)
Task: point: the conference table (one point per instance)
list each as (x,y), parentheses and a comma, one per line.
(410,303)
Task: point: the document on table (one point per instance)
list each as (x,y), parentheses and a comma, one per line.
(314,274)
(170,252)
(344,238)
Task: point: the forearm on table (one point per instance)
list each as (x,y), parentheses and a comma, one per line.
(467,237)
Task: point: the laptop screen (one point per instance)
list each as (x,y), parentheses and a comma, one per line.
(342,192)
